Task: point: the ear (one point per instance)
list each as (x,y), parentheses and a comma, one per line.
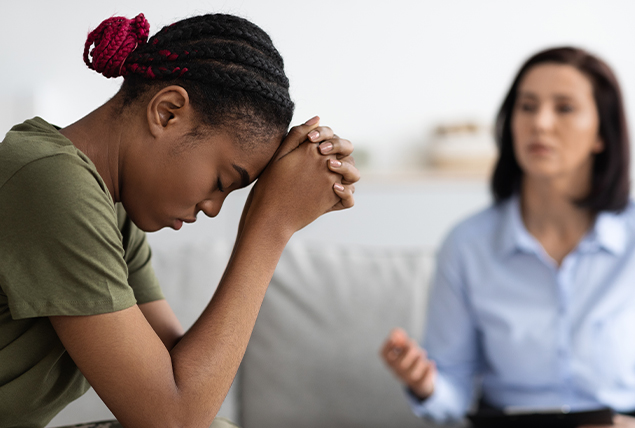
(167,110)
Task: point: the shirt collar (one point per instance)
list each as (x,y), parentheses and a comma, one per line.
(513,236)
(609,231)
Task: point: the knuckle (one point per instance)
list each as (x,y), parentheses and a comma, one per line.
(296,131)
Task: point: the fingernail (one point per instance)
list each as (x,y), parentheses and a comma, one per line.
(313,135)
(312,121)
(335,163)
(338,187)
(326,147)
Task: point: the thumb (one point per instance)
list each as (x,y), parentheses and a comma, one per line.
(296,136)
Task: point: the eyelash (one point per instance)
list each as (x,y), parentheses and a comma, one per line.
(565,108)
(528,107)
(219,185)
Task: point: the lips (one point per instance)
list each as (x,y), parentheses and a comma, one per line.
(538,149)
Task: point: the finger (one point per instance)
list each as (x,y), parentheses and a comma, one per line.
(413,374)
(337,146)
(320,134)
(413,353)
(398,335)
(296,136)
(387,346)
(430,373)
(349,173)
(404,348)
(345,193)
(407,359)
(394,344)
(349,159)
(390,353)
(417,371)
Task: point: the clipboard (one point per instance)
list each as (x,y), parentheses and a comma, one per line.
(542,419)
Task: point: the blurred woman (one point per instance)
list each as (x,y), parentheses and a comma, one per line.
(533,302)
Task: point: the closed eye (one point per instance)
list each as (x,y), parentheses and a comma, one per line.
(219,185)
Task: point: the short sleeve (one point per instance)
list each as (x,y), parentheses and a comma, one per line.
(61,251)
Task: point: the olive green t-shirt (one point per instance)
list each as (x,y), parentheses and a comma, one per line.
(65,249)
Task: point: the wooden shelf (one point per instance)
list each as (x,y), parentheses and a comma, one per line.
(425,175)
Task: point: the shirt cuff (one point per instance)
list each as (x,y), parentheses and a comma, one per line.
(442,406)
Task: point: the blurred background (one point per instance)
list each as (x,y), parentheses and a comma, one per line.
(414,84)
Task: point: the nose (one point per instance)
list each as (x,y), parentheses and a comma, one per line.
(211,207)
(544,118)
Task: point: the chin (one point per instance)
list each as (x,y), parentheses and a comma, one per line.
(145,224)
(151,229)
(539,169)
(541,174)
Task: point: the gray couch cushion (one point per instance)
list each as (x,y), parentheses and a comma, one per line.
(313,359)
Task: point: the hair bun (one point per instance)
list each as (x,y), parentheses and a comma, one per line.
(114,40)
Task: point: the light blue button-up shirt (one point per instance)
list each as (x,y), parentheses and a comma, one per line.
(505,317)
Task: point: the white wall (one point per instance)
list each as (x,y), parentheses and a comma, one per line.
(380,73)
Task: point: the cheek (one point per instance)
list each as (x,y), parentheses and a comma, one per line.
(583,134)
(519,130)
(520,127)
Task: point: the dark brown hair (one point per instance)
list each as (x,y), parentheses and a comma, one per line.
(610,184)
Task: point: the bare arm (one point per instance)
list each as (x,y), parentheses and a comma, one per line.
(145,385)
(126,361)
(163,321)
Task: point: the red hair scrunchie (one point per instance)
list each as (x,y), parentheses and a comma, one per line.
(114,40)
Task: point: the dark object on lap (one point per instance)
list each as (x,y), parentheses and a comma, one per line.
(496,419)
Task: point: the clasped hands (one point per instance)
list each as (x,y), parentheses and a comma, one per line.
(312,173)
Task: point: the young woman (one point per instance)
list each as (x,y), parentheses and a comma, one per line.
(204,109)
(534,295)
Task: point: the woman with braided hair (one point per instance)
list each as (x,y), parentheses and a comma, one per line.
(203,110)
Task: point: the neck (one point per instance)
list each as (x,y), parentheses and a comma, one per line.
(99,137)
(550,213)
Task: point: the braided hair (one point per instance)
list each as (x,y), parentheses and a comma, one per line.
(228,65)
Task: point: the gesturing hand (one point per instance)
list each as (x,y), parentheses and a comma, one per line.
(409,363)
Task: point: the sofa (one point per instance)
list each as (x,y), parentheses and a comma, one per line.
(341,285)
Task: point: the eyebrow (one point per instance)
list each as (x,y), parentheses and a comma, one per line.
(244,176)
(534,96)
